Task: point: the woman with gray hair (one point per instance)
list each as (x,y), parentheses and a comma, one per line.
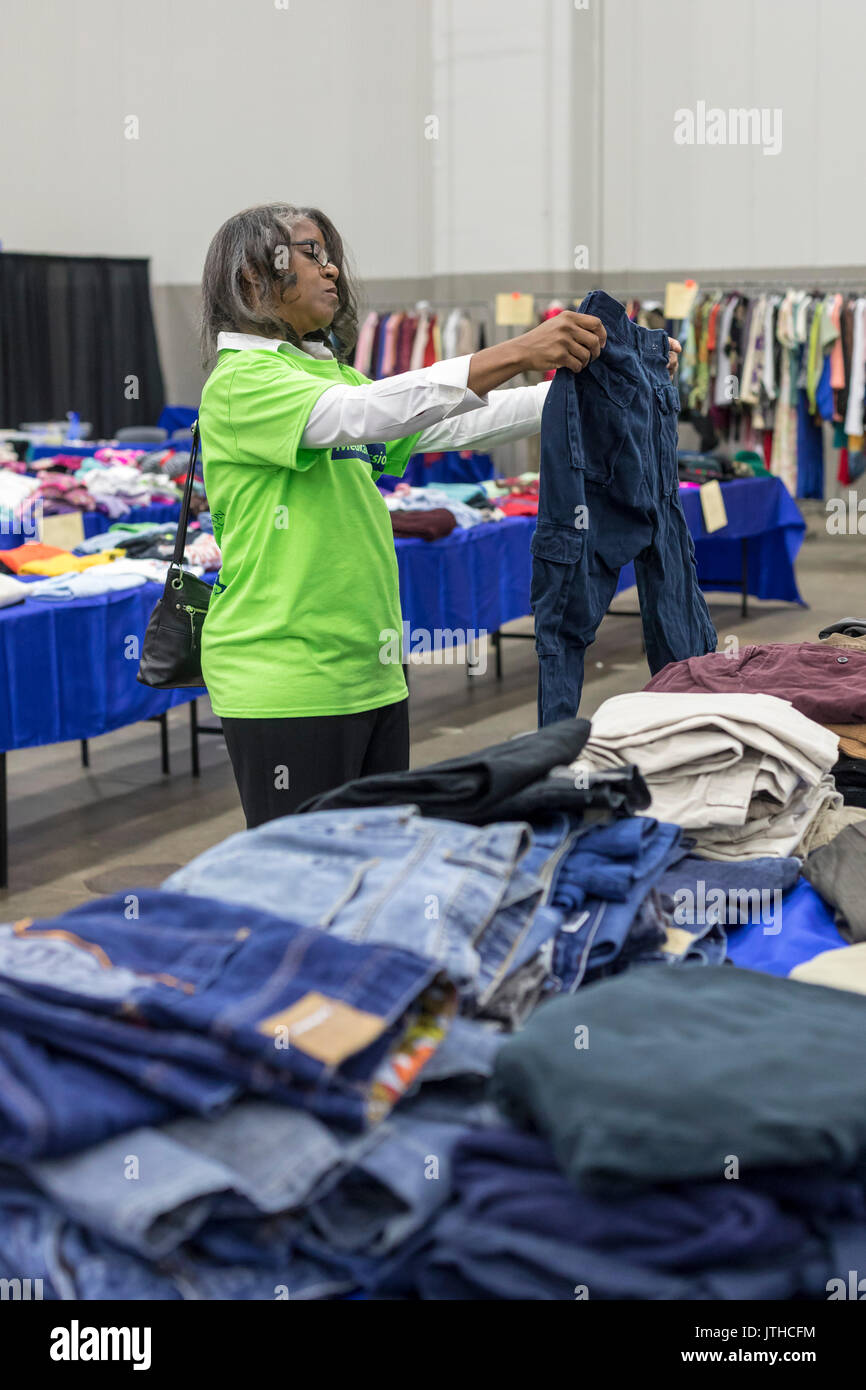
(292,650)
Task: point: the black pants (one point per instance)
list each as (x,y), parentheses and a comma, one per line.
(278,763)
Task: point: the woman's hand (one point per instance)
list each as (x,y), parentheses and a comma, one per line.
(674,358)
(568,339)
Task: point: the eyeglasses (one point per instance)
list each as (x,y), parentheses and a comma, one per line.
(315,250)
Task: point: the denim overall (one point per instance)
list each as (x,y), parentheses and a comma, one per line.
(609,494)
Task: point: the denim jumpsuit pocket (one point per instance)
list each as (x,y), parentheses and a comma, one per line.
(606,398)
(668,401)
(556,550)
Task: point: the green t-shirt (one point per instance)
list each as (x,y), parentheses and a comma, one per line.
(309,571)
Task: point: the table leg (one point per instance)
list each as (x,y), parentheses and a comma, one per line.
(85,753)
(193,737)
(163,741)
(4,826)
(744,574)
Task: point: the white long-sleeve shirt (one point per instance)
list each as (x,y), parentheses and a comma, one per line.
(435,400)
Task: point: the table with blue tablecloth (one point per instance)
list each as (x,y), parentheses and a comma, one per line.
(95,523)
(756,552)
(68,669)
(479,578)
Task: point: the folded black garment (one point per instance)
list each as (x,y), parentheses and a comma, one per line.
(143,545)
(621,790)
(849,775)
(703,468)
(474,788)
(852,627)
(838,872)
(661,1075)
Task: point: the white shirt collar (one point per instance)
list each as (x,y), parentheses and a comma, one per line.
(239,341)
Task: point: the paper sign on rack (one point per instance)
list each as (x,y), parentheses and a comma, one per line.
(713,506)
(680,295)
(515,310)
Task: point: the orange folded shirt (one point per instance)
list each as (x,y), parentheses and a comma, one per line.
(16,559)
(67,563)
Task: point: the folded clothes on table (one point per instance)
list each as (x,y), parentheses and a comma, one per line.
(426,526)
(470,788)
(824,684)
(792,931)
(600,888)
(838,872)
(619,1077)
(455,894)
(196,1002)
(731,893)
(67,563)
(429,499)
(849,776)
(15,560)
(744,775)
(11,591)
(844,969)
(517,1228)
(105,579)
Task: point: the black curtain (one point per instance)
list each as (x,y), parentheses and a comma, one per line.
(74,330)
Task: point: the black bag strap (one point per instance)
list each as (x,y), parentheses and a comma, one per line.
(183,523)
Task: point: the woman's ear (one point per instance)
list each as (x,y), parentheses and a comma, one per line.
(250,287)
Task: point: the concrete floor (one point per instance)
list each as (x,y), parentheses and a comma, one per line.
(79,833)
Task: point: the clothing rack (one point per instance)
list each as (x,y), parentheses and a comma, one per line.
(401,306)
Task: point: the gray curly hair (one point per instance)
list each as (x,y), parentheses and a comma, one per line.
(248,258)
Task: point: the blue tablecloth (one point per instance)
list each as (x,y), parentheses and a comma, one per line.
(473,579)
(480,578)
(97,522)
(423,470)
(67,670)
(761,512)
(87,448)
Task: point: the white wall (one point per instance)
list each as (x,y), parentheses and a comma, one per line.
(699,207)
(513,149)
(238,102)
(555,128)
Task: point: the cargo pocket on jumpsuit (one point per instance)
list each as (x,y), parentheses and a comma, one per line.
(668,401)
(556,551)
(606,396)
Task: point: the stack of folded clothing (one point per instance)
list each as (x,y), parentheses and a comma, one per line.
(117,487)
(410,505)
(702,468)
(515,496)
(16,493)
(63,492)
(825,680)
(744,775)
(685,1144)
(849,635)
(116,560)
(429,525)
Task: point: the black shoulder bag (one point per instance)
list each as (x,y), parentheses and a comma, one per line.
(171,651)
